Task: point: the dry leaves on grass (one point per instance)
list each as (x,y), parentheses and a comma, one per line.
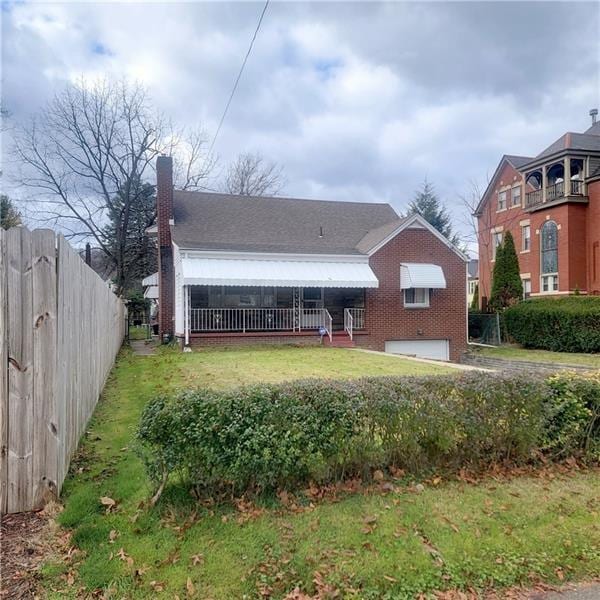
(108,503)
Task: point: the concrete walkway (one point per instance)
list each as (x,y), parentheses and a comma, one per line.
(427,361)
(142,347)
(583,591)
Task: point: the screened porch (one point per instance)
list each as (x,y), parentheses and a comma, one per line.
(245,309)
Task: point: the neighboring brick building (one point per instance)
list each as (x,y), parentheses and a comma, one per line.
(238,269)
(551,205)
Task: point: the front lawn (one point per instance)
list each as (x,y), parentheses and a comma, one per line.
(397,539)
(513,352)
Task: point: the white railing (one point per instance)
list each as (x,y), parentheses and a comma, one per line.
(328,323)
(348,322)
(358,317)
(241,319)
(260,319)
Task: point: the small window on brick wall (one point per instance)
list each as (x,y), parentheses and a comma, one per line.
(416,297)
(502,200)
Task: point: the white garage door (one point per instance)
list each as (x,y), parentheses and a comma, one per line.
(436,349)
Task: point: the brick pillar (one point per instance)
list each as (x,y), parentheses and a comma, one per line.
(166,274)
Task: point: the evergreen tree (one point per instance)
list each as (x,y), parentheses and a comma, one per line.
(9,215)
(427,204)
(507,287)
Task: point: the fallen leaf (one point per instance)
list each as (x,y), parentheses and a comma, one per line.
(189,586)
(388,578)
(157,586)
(197,559)
(378,475)
(108,502)
(112,536)
(370,520)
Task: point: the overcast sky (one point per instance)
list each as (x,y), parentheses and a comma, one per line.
(358,101)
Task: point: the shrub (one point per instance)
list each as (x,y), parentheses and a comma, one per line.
(283,436)
(507,287)
(572,415)
(570,324)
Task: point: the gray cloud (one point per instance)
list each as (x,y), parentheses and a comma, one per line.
(356,100)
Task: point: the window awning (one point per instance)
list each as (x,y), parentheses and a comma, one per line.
(421,275)
(282,273)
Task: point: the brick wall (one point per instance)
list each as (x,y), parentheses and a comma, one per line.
(509,220)
(579,230)
(386,317)
(166,277)
(593,238)
(253,339)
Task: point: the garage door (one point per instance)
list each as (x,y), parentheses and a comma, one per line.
(436,349)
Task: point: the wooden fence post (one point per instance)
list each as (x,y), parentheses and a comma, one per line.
(3,378)
(20,370)
(45,442)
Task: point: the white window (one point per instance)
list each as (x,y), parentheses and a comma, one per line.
(526,288)
(515,196)
(525,238)
(549,258)
(472,286)
(549,283)
(416,297)
(496,241)
(502,200)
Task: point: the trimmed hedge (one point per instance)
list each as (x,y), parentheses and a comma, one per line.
(283,436)
(570,324)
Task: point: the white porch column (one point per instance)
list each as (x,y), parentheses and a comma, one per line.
(186,313)
(567,178)
(544,183)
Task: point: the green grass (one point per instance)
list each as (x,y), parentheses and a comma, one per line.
(452,535)
(518,353)
(137,332)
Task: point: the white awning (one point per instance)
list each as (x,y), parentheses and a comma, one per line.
(421,275)
(151,292)
(150,280)
(282,273)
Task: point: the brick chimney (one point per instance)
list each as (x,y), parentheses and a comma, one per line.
(166,274)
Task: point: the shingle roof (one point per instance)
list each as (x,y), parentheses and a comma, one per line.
(517,161)
(210,221)
(594,129)
(573,141)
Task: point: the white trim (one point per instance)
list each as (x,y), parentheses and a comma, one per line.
(424,304)
(406,224)
(231,255)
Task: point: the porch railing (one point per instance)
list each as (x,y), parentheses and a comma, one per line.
(209,320)
(241,319)
(554,192)
(348,322)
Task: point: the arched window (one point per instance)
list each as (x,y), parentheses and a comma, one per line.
(549,256)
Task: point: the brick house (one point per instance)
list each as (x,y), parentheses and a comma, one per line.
(238,269)
(551,205)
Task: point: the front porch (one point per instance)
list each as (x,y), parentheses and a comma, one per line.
(244,310)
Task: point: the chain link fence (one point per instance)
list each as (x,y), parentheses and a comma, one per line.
(484,328)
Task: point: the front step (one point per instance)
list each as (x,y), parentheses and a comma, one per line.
(340,339)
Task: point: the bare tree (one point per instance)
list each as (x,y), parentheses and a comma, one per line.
(86,153)
(251,175)
(480,222)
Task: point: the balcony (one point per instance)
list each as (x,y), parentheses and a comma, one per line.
(556,183)
(555,193)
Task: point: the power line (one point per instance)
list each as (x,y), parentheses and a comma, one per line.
(237,80)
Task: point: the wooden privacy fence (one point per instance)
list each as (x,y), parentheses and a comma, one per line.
(60,330)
